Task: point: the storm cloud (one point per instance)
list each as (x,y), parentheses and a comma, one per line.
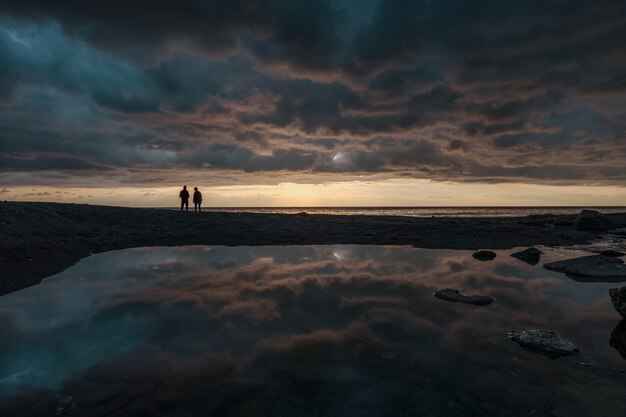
(483,91)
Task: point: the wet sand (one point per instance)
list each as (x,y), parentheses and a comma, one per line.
(41,239)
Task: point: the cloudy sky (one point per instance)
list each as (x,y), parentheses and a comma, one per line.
(344,102)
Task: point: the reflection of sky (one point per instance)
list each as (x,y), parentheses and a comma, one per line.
(328,315)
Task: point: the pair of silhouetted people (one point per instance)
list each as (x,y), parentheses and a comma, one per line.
(184,199)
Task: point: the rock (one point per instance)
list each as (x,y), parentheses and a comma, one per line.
(621,231)
(456,296)
(592,221)
(484,255)
(594,268)
(618,298)
(618,338)
(563,221)
(611,253)
(546,342)
(530,256)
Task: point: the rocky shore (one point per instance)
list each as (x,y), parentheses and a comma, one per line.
(40,239)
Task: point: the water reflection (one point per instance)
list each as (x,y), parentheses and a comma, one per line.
(618,338)
(305,330)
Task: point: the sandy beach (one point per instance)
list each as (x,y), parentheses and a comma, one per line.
(41,239)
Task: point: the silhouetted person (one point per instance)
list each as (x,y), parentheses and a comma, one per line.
(184,198)
(197,199)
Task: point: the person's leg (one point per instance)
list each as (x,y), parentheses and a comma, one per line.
(187,205)
(199,206)
(182,204)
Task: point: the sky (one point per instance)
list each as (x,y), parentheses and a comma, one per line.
(302,103)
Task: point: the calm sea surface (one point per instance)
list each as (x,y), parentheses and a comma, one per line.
(422,211)
(337,330)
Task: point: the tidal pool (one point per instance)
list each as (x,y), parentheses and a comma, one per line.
(306,331)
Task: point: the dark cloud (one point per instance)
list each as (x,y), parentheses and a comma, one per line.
(47,163)
(128,27)
(454,90)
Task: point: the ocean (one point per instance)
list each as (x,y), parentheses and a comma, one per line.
(419,211)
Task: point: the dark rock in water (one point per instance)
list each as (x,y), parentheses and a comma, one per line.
(594,268)
(618,338)
(592,221)
(618,298)
(611,253)
(484,255)
(530,255)
(546,342)
(456,296)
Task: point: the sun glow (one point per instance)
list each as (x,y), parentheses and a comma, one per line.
(394,192)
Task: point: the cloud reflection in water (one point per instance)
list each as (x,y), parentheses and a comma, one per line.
(303,329)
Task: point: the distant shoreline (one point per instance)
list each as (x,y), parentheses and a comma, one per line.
(41,239)
(422,211)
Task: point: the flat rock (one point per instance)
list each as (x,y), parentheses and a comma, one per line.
(612,253)
(594,268)
(618,338)
(530,256)
(456,296)
(484,255)
(592,221)
(618,298)
(544,341)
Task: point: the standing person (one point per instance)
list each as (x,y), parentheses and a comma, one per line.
(197,199)
(184,198)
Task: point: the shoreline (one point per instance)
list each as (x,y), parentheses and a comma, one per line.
(38,240)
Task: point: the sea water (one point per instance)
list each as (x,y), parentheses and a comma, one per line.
(420,211)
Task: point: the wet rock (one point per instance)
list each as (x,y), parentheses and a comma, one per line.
(530,256)
(594,268)
(546,342)
(618,298)
(592,221)
(563,221)
(456,296)
(611,253)
(484,255)
(618,338)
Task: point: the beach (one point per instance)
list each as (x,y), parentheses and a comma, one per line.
(38,240)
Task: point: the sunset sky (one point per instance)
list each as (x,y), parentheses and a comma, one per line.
(301,103)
